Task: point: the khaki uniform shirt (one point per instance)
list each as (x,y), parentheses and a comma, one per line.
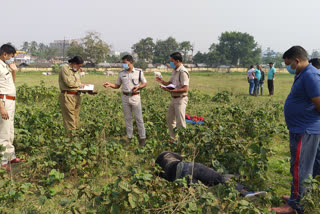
(180,77)
(129,80)
(68,79)
(6,81)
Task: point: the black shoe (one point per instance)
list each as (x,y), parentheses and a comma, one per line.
(142,142)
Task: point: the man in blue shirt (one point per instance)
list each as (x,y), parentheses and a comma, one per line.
(271,75)
(302,114)
(257,77)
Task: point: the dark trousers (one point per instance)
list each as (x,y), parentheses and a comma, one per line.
(270,87)
(261,88)
(256,87)
(305,161)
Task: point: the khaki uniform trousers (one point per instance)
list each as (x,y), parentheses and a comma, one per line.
(7,132)
(132,104)
(176,116)
(70,108)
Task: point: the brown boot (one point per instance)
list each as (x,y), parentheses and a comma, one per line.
(285,209)
(142,142)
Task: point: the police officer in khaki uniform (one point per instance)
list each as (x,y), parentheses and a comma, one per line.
(70,100)
(8,71)
(130,79)
(177,108)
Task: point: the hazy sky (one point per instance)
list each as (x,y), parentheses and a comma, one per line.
(278,24)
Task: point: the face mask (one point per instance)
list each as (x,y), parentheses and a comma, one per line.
(290,70)
(74,69)
(172,65)
(125,66)
(9,61)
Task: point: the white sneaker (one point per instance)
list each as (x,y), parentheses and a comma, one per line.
(252,195)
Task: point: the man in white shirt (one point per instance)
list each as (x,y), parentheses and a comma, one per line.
(250,78)
(8,71)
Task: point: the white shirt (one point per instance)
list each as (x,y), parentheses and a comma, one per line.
(129,80)
(6,81)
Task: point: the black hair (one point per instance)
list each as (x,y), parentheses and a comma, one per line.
(128,58)
(176,56)
(315,62)
(270,63)
(77,59)
(8,49)
(296,52)
(251,66)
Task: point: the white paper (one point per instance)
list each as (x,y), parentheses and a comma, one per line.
(88,87)
(168,86)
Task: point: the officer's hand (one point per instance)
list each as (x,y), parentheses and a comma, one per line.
(135,89)
(158,79)
(107,84)
(164,88)
(4,114)
(13,67)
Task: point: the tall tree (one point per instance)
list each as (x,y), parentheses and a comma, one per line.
(144,48)
(163,49)
(236,48)
(33,48)
(185,47)
(96,49)
(200,58)
(76,49)
(26,46)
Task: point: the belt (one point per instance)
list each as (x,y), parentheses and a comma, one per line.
(130,93)
(2,96)
(71,92)
(179,96)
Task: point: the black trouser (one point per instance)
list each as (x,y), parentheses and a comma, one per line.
(270,87)
(256,87)
(205,174)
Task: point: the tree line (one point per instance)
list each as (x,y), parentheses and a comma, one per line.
(232,49)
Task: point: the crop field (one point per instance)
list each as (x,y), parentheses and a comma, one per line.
(95,171)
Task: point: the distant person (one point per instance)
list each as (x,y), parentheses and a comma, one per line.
(261,81)
(302,115)
(257,77)
(250,77)
(70,100)
(132,80)
(8,70)
(271,76)
(179,95)
(315,62)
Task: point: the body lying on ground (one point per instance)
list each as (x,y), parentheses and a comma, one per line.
(174,168)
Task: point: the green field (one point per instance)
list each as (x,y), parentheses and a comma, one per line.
(97,172)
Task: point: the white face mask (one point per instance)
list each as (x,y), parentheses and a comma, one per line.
(74,69)
(9,61)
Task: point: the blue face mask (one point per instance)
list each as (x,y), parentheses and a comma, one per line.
(9,61)
(125,66)
(290,70)
(172,65)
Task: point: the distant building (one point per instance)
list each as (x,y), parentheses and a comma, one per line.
(22,57)
(268,53)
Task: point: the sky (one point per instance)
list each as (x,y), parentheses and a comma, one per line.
(278,24)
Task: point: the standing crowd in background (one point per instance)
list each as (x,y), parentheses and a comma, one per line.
(256,78)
